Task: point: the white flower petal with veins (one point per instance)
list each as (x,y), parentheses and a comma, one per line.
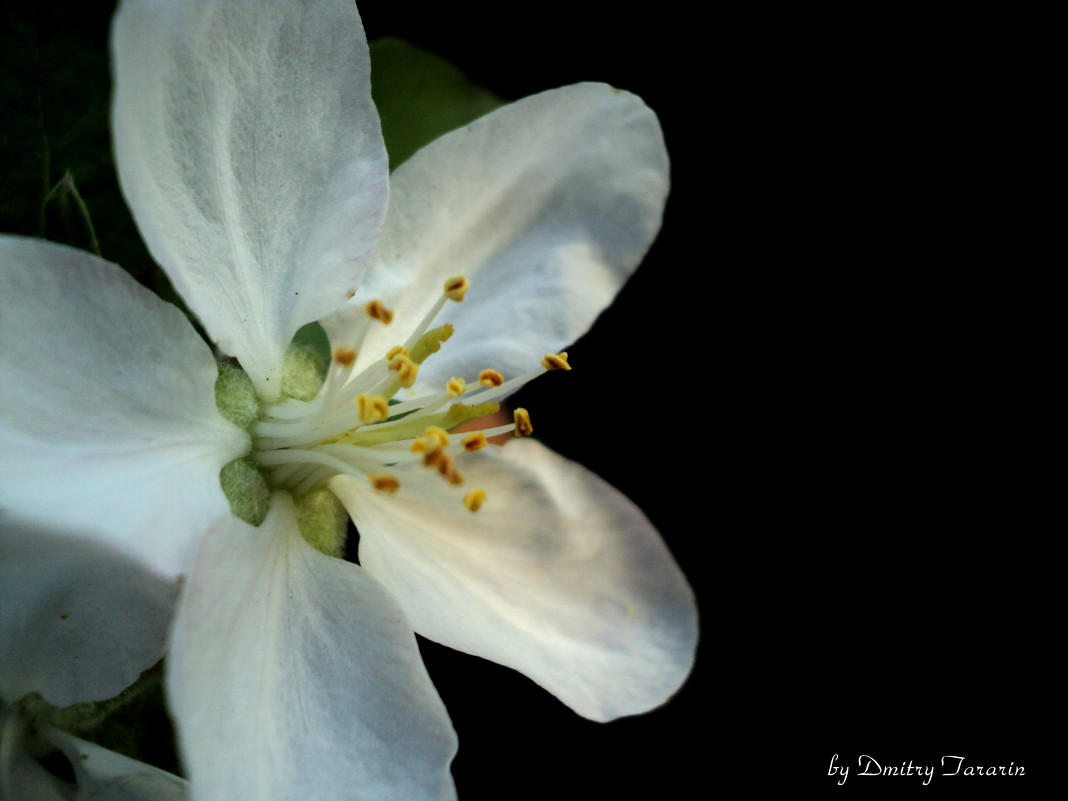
(251,155)
(78,621)
(108,423)
(546,205)
(274,647)
(558,576)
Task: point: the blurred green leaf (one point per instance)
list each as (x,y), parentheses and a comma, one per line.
(55,140)
(421,96)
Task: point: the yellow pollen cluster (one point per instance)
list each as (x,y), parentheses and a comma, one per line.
(523,428)
(383,482)
(474,499)
(378,311)
(405,368)
(434,438)
(456,288)
(343,356)
(490,378)
(456,386)
(432,446)
(372,408)
(555,361)
(475,441)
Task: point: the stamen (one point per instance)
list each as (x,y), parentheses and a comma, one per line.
(474,499)
(433,440)
(456,287)
(345,357)
(378,311)
(490,378)
(372,408)
(523,428)
(475,441)
(383,482)
(556,361)
(437,435)
(497,431)
(350,427)
(454,290)
(405,368)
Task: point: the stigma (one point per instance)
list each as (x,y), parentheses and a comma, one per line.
(376,423)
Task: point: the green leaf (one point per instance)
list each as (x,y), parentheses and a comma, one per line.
(55,140)
(421,96)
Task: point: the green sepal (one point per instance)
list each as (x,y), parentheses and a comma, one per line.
(302,373)
(245,486)
(323,521)
(235,395)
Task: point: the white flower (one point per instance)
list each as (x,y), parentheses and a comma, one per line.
(250,153)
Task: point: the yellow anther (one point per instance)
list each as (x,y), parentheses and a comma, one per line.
(555,361)
(490,378)
(378,311)
(405,368)
(475,441)
(474,499)
(456,287)
(437,436)
(344,356)
(456,386)
(384,482)
(396,350)
(523,428)
(372,408)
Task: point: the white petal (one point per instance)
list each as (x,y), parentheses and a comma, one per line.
(78,621)
(108,423)
(21,776)
(99,774)
(557,575)
(294,675)
(547,205)
(104,774)
(250,152)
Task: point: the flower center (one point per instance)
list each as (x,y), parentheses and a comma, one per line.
(337,421)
